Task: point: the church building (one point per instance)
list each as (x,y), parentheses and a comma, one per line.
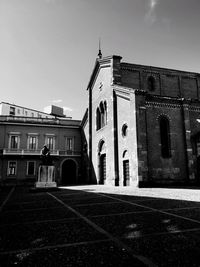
(143,124)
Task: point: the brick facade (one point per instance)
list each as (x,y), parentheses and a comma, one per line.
(139,97)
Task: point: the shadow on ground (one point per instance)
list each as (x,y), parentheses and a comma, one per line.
(83,227)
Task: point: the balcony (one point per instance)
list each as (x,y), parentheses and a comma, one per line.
(26,152)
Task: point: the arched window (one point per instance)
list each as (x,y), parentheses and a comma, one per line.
(101,115)
(105,113)
(165,137)
(124,130)
(98,119)
(151,83)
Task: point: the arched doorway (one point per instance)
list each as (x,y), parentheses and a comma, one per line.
(69,172)
(102,162)
(126,173)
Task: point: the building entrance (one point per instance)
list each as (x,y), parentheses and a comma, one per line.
(102,162)
(69,170)
(102,169)
(126,175)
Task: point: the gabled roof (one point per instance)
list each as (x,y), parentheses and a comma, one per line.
(100,62)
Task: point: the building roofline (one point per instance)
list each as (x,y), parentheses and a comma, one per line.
(132,65)
(40,121)
(3,102)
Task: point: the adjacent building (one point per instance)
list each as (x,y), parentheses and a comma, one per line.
(23,137)
(8,109)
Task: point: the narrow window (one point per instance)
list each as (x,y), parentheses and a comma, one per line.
(98,115)
(124,130)
(14,142)
(32,142)
(12,168)
(105,112)
(69,144)
(102,122)
(151,83)
(165,138)
(50,143)
(101,115)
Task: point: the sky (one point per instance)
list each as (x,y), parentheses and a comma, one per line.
(48,48)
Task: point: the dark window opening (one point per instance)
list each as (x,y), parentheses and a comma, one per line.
(98,119)
(151,83)
(101,115)
(12,111)
(165,138)
(124,130)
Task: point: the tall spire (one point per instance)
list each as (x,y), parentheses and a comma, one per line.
(100,54)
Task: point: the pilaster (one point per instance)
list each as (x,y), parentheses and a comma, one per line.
(187,136)
(142,146)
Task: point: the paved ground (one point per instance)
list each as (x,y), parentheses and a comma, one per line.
(100,226)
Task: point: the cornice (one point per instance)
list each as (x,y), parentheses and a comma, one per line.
(158,70)
(123,92)
(194,108)
(40,125)
(161,105)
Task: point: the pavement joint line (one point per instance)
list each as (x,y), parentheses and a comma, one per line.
(139,212)
(31,210)
(90,216)
(54,246)
(7,198)
(153,209)
(41,221)
(73,218)
(72,194)
(26,202)
(166,233)
(98,203)
(186,208)
(117,241)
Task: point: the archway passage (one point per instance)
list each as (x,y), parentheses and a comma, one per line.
(102,168)
(69,171)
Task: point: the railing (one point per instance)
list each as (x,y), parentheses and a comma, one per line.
(8,151)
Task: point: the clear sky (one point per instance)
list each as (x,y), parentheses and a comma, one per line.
(48,47)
